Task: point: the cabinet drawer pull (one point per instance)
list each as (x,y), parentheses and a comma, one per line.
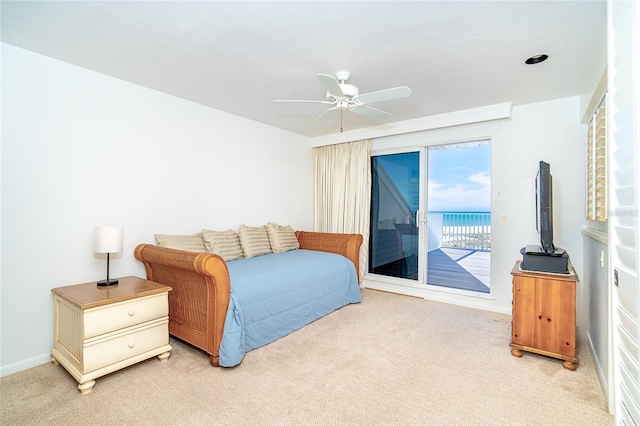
(131,345)
(132,312)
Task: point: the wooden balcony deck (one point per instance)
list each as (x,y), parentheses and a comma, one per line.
(459,268)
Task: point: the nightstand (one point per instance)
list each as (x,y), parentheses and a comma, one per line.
(99,330)
(544,315)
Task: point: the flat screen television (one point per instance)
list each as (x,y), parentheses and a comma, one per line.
(546,257)
(544,207)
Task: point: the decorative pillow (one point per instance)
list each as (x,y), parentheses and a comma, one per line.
(182,242)
(225,244)
(282,238)
(254,241)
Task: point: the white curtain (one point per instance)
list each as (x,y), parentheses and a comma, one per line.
(343,191)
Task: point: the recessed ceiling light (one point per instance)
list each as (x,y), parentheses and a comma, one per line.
(536,59)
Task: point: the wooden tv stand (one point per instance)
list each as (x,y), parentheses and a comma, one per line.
(544,315)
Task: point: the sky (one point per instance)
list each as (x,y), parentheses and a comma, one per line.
(459,178)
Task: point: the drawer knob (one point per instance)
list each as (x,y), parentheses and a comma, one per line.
(132,312)
(131,345)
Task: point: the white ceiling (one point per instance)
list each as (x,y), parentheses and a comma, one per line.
(239,56)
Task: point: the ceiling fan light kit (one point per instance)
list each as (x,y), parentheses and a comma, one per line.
(348,91)
(343,96)
(343,76)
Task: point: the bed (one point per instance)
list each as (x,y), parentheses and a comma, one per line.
(230,308)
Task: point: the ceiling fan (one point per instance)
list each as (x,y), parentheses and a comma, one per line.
(343,96)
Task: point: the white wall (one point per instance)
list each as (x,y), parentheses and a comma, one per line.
(549,131)
(595,307)
(81,149)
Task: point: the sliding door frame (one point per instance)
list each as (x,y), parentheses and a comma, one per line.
(421,288)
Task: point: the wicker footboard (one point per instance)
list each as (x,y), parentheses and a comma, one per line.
(347,245)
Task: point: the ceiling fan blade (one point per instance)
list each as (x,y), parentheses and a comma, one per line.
(332,85)
(324,113)
(383,95)
(369,112)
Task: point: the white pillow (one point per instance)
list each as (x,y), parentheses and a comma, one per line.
(282,238)
(254,241)
(225,244)
(181,242)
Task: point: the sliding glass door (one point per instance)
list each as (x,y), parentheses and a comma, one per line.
(430,216)
(395,186)
(459,220)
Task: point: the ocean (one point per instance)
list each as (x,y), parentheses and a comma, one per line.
(451,218)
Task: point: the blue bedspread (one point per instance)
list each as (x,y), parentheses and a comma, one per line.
(275,294)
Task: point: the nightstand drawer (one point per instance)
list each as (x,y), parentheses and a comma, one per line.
(113,347)
(116,316)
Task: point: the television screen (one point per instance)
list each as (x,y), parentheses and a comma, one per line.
(544,207)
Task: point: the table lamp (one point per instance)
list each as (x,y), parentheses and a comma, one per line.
(107,239)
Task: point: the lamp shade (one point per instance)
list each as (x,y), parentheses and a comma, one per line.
(107,239)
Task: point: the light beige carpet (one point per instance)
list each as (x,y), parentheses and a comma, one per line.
(391,360)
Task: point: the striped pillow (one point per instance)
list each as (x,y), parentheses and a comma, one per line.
(225,244)
(282,238)
(254,241)
(181,242)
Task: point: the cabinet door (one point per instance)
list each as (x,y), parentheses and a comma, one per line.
(544,314)
(556,316)
(523,328)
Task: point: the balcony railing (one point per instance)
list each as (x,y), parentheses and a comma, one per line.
(460,230)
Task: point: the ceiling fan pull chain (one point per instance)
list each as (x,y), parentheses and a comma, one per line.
(341,119)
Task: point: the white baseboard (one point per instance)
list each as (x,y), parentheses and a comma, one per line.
(602,377)
(24,365)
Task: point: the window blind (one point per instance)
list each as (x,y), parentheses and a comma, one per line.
(597,164)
